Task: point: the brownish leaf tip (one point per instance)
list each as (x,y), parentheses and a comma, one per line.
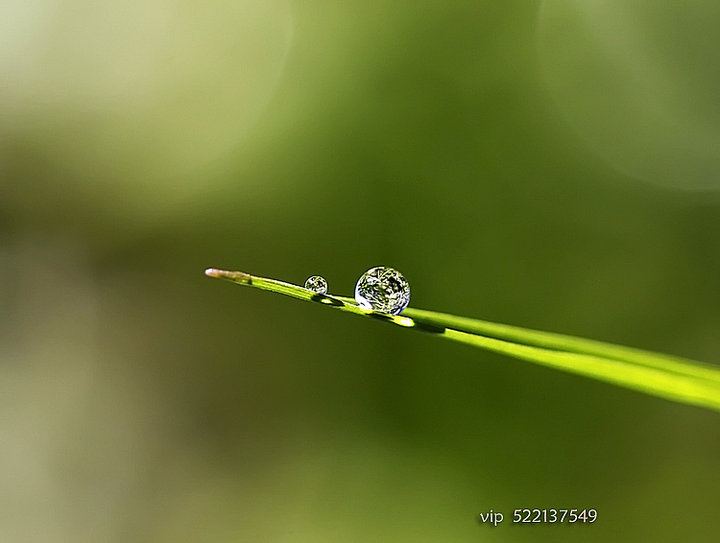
(212,272)
(236,276)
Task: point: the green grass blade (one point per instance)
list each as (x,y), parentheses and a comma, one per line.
(571,344)
(669,377)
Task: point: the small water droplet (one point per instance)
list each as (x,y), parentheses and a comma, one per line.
(383,289)
(316,283)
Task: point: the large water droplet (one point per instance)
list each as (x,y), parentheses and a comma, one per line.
(316,283)
(383,289)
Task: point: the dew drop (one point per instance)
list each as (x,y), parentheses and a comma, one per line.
(316,283)
(383,289)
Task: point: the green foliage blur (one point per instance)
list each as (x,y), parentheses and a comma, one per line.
(553,165)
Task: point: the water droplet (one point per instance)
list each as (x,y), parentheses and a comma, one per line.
(383,289)
(316,283)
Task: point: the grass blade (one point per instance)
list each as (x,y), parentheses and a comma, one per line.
(661,375)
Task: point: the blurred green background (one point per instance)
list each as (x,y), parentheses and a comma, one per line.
(551,165)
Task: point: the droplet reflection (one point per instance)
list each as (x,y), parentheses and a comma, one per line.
(317,283)
(383,289)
